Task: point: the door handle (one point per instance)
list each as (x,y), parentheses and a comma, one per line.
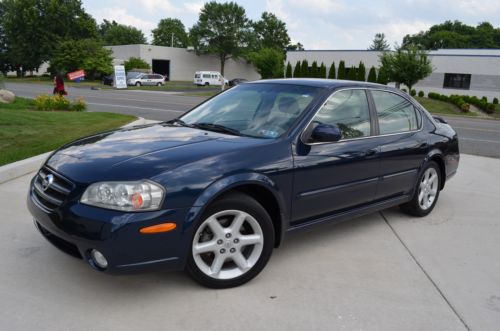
(371,152)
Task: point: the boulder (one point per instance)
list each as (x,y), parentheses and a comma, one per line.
(7,96)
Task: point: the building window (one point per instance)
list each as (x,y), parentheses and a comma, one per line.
(458,81)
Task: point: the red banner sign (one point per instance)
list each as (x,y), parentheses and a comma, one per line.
(76,74)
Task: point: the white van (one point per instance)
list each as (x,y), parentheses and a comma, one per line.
(208,78)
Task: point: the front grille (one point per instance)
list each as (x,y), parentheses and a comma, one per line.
(53,195)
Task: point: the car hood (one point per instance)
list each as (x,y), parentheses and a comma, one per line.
(139,152)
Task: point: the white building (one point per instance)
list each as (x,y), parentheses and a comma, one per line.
(181,63)
(456,71)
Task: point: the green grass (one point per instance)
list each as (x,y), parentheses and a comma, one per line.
(25,132)
(441,107)
(48,81)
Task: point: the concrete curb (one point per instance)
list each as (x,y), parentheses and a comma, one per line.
(23,167)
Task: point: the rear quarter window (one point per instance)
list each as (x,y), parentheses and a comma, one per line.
(395,113)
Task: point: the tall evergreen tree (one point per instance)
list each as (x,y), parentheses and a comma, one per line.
(297,70)
(341,74)
(361,72)
(331,73)
(288,70)
(352,74)
(379,43)
(322,71)
(314,70)
(304,69)
(372,75)
(382,77)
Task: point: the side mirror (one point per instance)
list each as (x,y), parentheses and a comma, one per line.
(324,133)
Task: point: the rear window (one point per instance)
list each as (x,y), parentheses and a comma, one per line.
(395,113)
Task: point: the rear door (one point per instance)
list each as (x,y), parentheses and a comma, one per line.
(403,145)
(331,177)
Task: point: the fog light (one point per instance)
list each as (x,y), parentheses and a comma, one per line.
(99,259)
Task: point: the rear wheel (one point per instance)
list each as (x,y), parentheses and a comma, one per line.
(159,84)
(138,84)
(426,192)
(232,244)
(207,83)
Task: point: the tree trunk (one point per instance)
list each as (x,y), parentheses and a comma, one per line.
(222,63)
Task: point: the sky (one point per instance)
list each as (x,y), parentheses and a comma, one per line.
(317,24)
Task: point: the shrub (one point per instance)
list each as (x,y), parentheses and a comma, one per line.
(296,70)
(490,109)
(421,94)
(331,73)
(404,90)
(372,75)
(341,74)
(495,101)
(136,63)
(288,70)
(484,98)
(79,105)
(46,102)
(413,92)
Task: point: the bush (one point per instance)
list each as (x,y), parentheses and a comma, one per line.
(484,98)
(421,94)
(457,100)
(136,63)
(490,109)
(413,92)
(495,101)
(404,90)
(46,102)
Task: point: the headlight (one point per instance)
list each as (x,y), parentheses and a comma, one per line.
(126,196)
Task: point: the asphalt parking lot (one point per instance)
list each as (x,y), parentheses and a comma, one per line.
(385,271)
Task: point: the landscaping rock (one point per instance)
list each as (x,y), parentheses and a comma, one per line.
(7,96)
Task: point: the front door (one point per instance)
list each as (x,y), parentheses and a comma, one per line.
(331,177)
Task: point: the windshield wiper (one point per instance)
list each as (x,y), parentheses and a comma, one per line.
(180,122)
(217,128)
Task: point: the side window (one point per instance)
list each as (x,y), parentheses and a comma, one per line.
(206,76)
(347,109)
(395,113)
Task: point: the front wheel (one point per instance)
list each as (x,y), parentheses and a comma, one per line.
(426,192)
(232,244)
(138,84)
(159,84)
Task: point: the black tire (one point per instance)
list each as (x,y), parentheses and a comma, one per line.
(413,207)
(207,83)
(246,204)
(159,84)
(138,84)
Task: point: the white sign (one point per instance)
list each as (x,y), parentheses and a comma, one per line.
(120,77)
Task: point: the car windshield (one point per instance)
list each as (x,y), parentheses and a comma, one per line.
(256,110)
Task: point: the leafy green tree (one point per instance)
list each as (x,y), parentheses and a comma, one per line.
(34,28)
(113,33)
(361,72)
(136,63)
(295,47)
(331,72)
(269,62)
(406,66)
(372,75)
(296,70)
(341,74)
(314,70)
(352,73)
(322,71)
(86,54)
(170,32)
(304,69)
(455,34)
(379,43)
(271,32)
(288,70)
(222,29)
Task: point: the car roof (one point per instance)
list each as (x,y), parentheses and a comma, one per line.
(317,82)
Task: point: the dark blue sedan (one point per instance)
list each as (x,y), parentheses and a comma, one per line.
(215,191)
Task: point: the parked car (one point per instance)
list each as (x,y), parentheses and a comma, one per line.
(237,81)
(206,78)
(146,79)
(216,190)
(108,80)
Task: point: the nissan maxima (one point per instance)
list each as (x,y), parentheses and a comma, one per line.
(215,191)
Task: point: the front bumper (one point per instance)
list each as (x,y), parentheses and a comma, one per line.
(76,229)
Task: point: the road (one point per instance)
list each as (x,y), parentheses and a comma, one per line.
(383,271)
(478,137)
